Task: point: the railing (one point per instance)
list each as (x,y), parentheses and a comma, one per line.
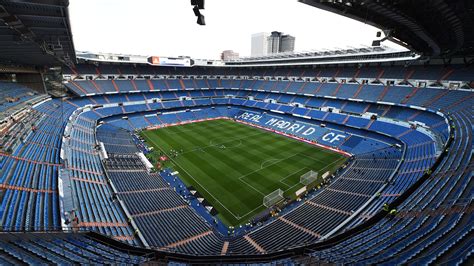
(19,229)
(444,209)
(130,255)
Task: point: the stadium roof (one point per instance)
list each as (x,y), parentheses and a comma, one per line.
(366,54)
(442,28)
(35,32)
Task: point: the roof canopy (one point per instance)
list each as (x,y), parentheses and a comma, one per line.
(35,33)
(443,28)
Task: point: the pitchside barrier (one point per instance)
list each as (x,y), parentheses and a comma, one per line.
(273,198)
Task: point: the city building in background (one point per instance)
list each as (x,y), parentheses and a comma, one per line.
(229,55)
(271,43)
(259,44)
(287,43)
(279,43)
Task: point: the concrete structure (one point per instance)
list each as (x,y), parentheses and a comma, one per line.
(264,43)
(259,44)
(273,43)
(229,55)
(279,43)
(287,43)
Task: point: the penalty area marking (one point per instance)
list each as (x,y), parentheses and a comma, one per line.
(250,212)
(268,161)
(245,182)
(290,175)
(321,170)
(275,161)
(265,164)
(220,203)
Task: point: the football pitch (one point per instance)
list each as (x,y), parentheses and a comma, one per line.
(234,166)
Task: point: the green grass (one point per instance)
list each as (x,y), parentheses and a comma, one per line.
(234,165)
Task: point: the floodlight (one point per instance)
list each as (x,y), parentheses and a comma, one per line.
(376,43)
(199,3)
(201,20)
(197,13)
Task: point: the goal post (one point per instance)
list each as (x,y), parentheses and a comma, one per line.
(309,177)
(273,198)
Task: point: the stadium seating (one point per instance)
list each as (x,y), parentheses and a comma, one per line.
(177,119)
(429,215)
(84,169)
(14,96)
(161,206)
(433,224)
(60,248)
(30,174)
(116,140)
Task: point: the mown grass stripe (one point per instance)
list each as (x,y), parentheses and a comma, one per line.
(233,165)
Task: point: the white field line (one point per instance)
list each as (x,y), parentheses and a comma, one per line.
(290,175)
(266,161)
(195,180)
(275,161)
(248,213)
(198,148)
(245,182)
(321,170)
(243,176)
(167,130)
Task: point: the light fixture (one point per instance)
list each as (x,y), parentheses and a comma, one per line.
(198,4)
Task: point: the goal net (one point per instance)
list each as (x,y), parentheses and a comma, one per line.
(309,177)
(273,198)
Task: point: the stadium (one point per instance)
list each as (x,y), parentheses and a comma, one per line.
(345,156)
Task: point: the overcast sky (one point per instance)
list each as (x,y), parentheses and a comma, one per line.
(168,27)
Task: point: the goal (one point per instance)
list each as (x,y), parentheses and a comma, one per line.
(273,198)
(309,177)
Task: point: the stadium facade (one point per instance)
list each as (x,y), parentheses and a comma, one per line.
(74,164)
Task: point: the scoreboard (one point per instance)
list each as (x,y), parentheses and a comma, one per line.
(169,61)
